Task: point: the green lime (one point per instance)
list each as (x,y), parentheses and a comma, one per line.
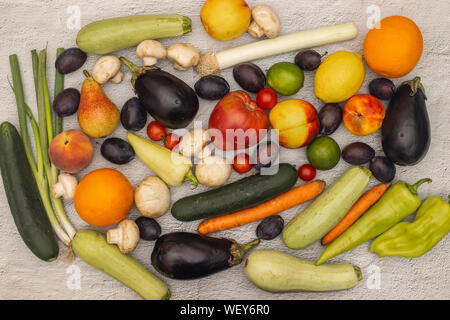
(285,78)
(324,153)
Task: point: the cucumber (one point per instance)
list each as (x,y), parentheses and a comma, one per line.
(327,209)
(91,246)
(276,271)
(244,193)
(23,196)
(106,36)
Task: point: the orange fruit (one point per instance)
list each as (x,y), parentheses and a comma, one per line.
(393,49)
(103,197)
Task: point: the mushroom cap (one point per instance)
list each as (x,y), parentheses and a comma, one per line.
(267,19)
(151,48)
(105,68)
(183,55)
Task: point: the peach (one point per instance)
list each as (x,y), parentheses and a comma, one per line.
(71,151)
(363,114)
(296,121)
(225,20)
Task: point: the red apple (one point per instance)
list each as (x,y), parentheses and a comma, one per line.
(237,122)
(71,151)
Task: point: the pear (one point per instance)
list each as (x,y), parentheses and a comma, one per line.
(97,116)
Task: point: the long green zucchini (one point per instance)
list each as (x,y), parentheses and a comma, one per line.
(91,246)
(106,36)
(276,271)
(244,193)
(327,209)
(23,196)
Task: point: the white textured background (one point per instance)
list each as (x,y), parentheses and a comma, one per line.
(28,24)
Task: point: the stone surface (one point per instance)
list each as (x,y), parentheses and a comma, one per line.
(31,25)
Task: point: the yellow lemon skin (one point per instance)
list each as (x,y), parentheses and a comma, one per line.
(339,77)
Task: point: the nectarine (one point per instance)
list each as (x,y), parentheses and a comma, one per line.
(296,121)
(363,114)
(71,151)
(225,20)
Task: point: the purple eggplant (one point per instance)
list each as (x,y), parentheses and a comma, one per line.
(183,255)
(166,98)
(406,130)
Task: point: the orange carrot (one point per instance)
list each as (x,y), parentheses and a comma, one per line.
(278,204)
(357,210)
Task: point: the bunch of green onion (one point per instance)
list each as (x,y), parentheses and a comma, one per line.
(47,126)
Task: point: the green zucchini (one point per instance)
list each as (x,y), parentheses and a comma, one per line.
(106,36)
(276,271)
(23,196)
(327,209)
(244,193)
(91,246)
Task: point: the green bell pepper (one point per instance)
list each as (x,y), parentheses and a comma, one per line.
(399,201)
(413,239)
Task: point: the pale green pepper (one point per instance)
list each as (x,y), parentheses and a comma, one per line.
(398,202)
(413,239)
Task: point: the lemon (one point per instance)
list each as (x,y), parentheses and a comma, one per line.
(339,77)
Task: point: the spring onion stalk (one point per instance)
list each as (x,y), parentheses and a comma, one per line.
(46,137)
(37,169)
(213,62)
(59,86)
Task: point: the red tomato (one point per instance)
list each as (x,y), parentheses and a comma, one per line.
(156,131)
(171,141)
(266,98)
(307,172)
(238,122)
(241,163)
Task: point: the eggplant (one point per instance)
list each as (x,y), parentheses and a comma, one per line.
(184,255)
(166,98)
(405,132)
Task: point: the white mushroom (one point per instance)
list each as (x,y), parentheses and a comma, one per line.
(150,51)
(65,187)
(152,197)
(183,56)
(125,235)
(213,171)
(193,142)
(267,20)
(107,68)
(254,30)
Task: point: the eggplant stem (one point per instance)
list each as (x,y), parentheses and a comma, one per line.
(415,85)
(413,188)
(238,251)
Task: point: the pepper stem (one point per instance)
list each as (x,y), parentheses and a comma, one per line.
(238,251)
(190,177)
(449,198)
(415,84)
(413,188)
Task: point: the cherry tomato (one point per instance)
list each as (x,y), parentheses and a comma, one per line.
(241,163)
(266,98)
(171,141)
(156,131)
(306,172)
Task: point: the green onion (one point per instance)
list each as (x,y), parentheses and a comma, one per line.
(38,170)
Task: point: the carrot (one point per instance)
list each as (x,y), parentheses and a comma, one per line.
(283,202)
(357,210)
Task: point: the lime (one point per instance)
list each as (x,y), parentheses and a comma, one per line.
(324,153)
(285,78)
(339,77)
